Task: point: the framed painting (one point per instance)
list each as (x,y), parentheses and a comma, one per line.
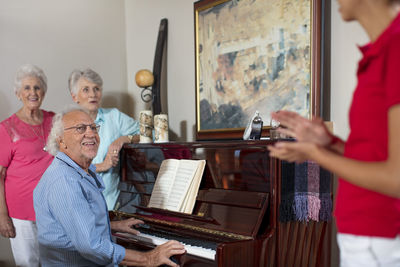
(259,55)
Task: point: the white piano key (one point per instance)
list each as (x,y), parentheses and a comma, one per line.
(193,250)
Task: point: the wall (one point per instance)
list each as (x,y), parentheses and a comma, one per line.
(344,61)
(59,36)
(142,23)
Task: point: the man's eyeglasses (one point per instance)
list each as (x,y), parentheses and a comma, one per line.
(81,128)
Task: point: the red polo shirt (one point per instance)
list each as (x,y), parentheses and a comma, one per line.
(360,211)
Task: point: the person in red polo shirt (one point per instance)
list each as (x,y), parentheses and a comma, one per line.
(368,200)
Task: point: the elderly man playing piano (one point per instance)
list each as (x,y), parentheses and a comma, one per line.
(71,213)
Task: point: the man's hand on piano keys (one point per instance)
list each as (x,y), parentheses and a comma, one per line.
(126,226)
(162,253)
(156,257)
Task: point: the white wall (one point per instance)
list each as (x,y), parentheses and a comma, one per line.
(59,36)
(344,61)
(142,23)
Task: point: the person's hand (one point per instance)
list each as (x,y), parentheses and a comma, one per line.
(116,146)
(126,226)
(156,257)
(111,159)
(6,226)
(304,130)
(292,151)
(112,156)
(162,253)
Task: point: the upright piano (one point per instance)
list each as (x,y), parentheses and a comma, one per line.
(235,218)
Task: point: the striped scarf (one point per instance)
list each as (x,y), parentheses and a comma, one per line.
(305,193)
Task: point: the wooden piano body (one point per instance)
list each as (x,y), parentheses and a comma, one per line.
(237,206)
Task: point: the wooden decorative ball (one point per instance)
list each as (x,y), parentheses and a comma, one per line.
(144,78)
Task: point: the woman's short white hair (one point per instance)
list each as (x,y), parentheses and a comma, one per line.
(88,74)
(29,70)
(57,130)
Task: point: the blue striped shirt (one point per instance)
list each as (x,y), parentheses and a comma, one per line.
(72,217)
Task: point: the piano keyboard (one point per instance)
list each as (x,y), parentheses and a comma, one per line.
(202,252)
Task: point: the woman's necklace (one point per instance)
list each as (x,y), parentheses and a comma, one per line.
(29,121)
(40,135)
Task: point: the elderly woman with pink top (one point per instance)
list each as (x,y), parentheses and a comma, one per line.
(23,160)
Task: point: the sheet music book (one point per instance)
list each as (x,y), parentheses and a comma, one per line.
(177,185)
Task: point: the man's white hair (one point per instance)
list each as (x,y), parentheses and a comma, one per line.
(57,130)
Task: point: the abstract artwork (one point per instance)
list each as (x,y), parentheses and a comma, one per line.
(251,55)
